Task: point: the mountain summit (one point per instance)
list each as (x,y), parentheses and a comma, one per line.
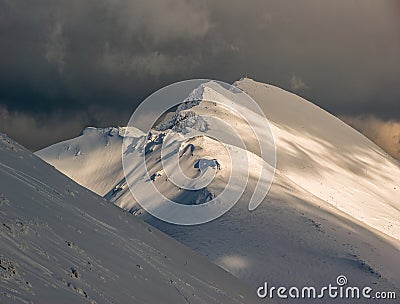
(333,204)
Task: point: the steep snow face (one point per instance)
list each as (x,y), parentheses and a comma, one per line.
(61,243)
(331,160)
(202,159)
(331,210)
(93,159)
(214,125)
(315,150)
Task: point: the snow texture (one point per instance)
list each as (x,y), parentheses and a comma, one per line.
(61,243)
(333,207)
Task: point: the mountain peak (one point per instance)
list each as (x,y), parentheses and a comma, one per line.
(332,187)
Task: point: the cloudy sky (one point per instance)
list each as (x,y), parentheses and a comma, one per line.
(67,64)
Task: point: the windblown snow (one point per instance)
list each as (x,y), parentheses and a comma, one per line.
(333,207)
(61,243)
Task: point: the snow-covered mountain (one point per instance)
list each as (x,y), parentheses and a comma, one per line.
(61,243)
(333,207)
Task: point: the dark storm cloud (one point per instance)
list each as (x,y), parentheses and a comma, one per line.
(38,131)
(101,58)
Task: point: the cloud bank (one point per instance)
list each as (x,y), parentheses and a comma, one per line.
(101,58)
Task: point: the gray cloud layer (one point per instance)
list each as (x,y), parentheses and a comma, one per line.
(100,58)
(385,134)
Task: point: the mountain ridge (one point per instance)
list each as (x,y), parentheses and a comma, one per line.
(333,199)
(63,243)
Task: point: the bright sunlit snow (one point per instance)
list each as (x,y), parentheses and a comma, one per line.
(333,207)
(61,243)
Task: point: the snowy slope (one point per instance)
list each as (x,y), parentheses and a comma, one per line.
(61,243)
(330,159)
(92,159)
(347,170)
(333,207)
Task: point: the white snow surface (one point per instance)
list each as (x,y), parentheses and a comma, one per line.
(61,243)
(333,208)
(92,159)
